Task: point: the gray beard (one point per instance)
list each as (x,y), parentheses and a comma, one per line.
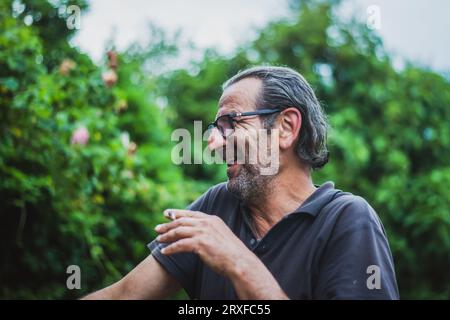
(250,186)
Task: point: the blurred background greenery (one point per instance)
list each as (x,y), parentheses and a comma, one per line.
(85,168)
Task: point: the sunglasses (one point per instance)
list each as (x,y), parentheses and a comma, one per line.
(226,123)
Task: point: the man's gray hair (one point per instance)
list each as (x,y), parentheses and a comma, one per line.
(284,88)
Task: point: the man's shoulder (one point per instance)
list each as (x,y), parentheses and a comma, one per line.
(347,208)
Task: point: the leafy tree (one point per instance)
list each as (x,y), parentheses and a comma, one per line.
(49,21)
(85,167)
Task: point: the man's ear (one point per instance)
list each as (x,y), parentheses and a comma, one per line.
(290,124)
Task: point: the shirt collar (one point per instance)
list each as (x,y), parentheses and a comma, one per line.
(319,199)
(314,203)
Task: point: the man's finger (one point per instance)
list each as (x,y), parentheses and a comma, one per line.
(163,228)
(183,245)
(174,214)
(177,234)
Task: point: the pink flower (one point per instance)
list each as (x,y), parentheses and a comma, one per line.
(66,66)
(80,136)
(110,78)
(113,60)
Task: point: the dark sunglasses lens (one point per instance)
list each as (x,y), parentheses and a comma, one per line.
(224,126)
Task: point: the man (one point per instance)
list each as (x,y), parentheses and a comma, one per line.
(268,236)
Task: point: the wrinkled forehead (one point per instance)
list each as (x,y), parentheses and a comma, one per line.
(240,96)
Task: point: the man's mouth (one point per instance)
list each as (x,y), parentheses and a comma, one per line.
(230,165)
(233,164)
(232,169)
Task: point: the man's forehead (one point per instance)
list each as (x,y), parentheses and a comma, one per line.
(242,93)
(229,99)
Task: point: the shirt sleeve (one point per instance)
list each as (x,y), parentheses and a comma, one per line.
(357,262)
(182,266)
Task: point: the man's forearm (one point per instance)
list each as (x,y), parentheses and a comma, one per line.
(109,293)
(253,281)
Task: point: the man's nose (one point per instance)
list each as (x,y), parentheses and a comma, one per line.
(215,140)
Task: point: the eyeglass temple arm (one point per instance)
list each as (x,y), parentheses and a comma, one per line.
(258,112)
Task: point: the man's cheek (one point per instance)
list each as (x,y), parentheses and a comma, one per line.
(269,153)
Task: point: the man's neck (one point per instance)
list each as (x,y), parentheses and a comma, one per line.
(288,191)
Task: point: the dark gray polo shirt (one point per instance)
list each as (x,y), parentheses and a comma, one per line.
(332,247)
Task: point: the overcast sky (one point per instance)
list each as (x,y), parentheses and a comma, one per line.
(417,30)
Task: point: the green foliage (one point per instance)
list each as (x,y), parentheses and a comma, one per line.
(49,22)
(95,204)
